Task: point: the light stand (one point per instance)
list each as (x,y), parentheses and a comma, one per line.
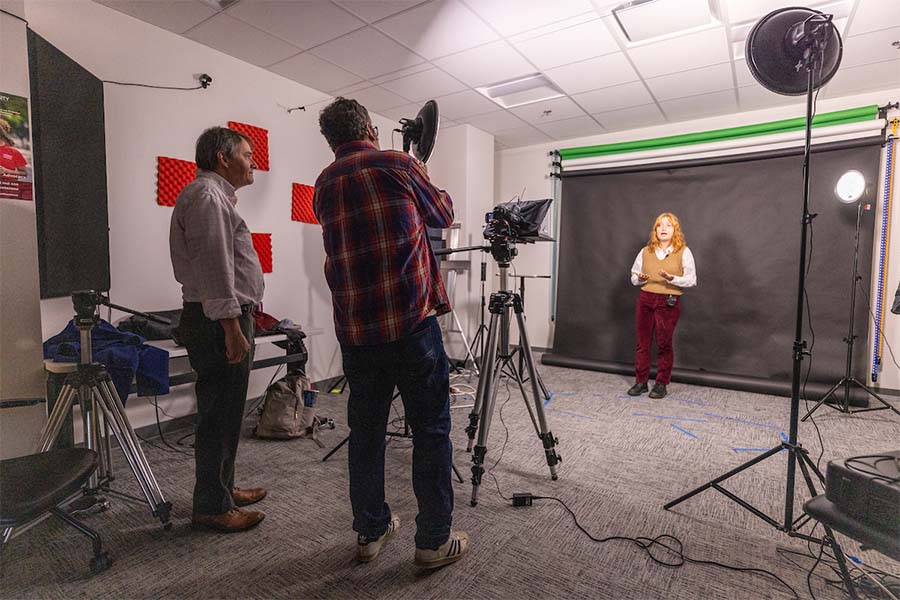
(849,380)
(802,36)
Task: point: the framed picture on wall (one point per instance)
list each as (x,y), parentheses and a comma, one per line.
(16,172)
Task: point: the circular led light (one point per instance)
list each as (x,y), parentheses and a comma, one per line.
(850,187)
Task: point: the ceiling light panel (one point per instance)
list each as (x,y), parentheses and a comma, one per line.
(642,20)
(525,90)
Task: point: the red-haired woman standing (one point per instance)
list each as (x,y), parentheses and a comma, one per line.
(663,268)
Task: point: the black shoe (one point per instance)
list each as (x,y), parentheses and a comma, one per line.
(638,388)
(659,391)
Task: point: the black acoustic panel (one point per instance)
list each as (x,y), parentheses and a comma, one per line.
(742,223)
(69,172)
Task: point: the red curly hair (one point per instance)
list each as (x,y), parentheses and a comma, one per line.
(677,236)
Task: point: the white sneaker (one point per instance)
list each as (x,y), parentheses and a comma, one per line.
(449,552)
(368,551)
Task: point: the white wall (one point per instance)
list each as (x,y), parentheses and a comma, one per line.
(21,372)
(529,168)
(142,124)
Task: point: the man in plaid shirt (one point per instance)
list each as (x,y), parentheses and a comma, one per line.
(387,292)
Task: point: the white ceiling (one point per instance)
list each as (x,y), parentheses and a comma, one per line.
(392,55)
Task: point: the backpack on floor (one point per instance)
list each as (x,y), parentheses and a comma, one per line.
(289,410)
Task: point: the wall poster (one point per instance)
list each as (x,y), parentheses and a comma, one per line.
(16,167)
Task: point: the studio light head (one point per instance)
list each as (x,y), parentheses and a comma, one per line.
(850,187)
(787,42)
(420,133)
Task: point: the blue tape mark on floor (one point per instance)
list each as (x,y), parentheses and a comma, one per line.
(744,421)
(751,449)
(784,437)
(684,431)
(668,418)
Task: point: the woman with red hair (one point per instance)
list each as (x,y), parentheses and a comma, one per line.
(663,268)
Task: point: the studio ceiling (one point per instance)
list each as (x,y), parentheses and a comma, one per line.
(392,55)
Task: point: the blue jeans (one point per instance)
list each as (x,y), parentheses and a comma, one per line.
(417,365)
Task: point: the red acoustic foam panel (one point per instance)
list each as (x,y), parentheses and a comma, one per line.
(262,243)
(260,139)
(302,204)
(172,175)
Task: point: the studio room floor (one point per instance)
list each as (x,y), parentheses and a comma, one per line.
(623,458)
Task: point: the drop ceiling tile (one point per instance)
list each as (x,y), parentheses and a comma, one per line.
(438,28)
(691,51)
(368,53)
(872,15)
(174,15)
(488,64)
(876,76)
(377,99)
(447,124)
(552,27)
(345,91)
(402,73)
(573,44)
(634,117)
(496,121)
(464,104)
(521,136)
(696,107)
(871,47)
(316,73)
(406,111)
(592,74)
(613,98)
(233,36)
(548,111)
(743,11)
(571,128)
(373,10)
(513,16)
(424,86)
(303,23)
(753,97)
(692,83)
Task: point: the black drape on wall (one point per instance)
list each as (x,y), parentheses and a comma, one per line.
(741,219)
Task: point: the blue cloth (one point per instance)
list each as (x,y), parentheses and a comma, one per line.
(124,355)
(417,365)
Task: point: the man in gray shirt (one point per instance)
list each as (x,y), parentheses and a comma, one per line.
(222,281)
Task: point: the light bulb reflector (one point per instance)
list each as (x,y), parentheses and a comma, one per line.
(850,186)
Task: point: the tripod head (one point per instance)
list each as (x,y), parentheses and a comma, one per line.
(86,303)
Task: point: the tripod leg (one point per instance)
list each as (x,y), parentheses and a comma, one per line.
(133,452)
(480,450)
(545,434)
(488,368)
(824,399)
(869,391)
(462,334)
(57,417)
(521,384)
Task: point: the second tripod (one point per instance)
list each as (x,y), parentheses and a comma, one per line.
(498,359)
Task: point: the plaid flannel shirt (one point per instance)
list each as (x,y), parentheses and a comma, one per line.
(373,206)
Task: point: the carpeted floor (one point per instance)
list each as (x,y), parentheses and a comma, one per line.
(623,458)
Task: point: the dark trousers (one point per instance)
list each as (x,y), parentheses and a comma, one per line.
(417,365)
(221,393)
(653,315)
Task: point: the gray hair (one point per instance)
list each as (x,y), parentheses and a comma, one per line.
(215,140)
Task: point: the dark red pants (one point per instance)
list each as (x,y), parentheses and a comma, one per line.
(653,315)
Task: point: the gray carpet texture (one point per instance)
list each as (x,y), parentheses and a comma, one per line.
(623,458)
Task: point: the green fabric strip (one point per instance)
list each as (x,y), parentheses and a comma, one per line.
(838,117)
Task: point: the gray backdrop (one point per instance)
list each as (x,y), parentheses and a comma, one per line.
(741,219)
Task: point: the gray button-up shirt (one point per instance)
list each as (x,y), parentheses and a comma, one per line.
(212,250)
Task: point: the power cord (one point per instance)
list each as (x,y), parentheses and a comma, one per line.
(204,79)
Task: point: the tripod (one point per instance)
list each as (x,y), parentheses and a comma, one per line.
(849,380)
(796,454)
(497,357)
(93,387)
(477,347)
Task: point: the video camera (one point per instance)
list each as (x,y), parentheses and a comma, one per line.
(515,222)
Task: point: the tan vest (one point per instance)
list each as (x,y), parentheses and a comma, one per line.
(671,264)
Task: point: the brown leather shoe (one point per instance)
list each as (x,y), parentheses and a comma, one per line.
(243,497)
(236,519)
